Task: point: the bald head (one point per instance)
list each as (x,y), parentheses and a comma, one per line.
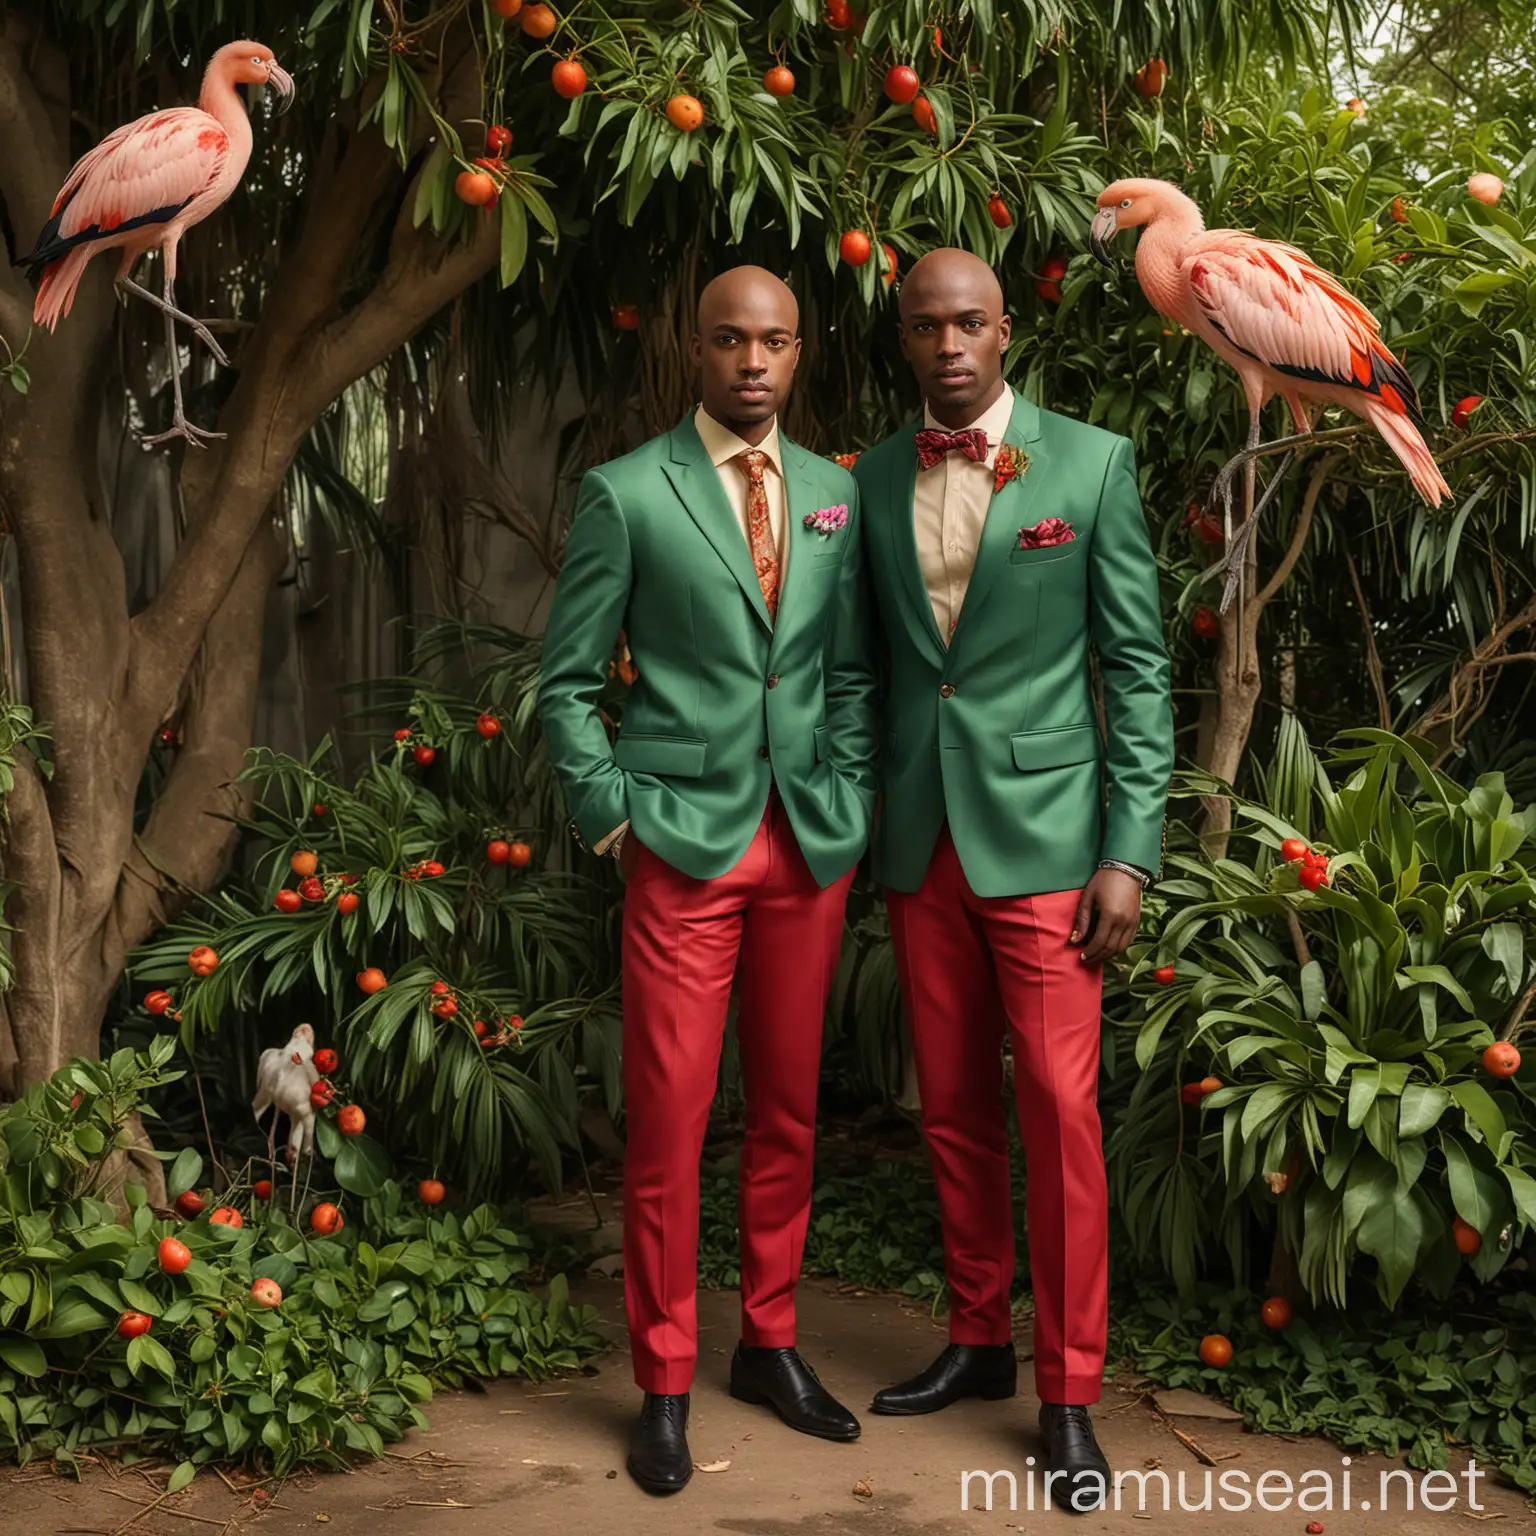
(954,333)
(746,347)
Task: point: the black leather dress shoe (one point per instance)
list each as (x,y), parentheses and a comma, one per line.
(780,1378)
(659,1459)
(962,1370)
(1070,1448)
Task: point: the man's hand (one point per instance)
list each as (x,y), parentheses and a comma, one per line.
(1109,909)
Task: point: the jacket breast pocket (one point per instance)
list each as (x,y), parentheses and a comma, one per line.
(1058,748)
(1066,551)
(672,757)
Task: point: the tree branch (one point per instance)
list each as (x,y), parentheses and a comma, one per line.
(1298,542)
(1372,655)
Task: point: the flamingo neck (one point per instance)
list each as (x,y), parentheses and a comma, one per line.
(222,102)
(1159,252)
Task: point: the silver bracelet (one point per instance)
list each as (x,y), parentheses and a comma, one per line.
(1140,876)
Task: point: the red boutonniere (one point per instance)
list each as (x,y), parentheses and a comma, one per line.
(1011,462)
(846,460)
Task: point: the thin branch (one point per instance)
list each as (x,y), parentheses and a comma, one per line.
(1320,474)
(1372,655)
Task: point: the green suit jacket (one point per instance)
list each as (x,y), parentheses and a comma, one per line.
(997,732)
(727,702)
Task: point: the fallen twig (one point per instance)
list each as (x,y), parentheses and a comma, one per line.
(1193,1446)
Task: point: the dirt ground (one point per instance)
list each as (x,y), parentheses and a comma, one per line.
(520,1458)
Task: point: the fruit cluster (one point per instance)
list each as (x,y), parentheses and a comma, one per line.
(1312,870)
(312,888)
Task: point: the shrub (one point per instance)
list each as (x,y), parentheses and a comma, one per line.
(1346,1026)
(371,1320)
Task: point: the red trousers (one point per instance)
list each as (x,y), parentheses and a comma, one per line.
(967,965)
(768,925)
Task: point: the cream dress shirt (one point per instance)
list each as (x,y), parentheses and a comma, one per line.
(949,508)
(722,445)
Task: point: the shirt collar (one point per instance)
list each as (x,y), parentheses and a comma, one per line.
(993,421)
(722,445)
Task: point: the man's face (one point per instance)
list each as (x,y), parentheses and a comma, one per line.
(954,334)
(747,350)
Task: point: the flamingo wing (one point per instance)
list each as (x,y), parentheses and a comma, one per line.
(1276,305)
(143,173)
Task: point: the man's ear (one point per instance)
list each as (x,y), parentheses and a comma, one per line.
(1005,331)
(797,354)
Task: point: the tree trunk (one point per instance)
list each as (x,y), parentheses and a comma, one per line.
(102,680)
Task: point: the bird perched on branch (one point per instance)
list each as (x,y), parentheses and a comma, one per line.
(284,1077)
(1288,327)
(140,190)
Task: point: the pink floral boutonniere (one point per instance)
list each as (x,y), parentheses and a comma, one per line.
(827,520)
(1010,463)
(1045,533)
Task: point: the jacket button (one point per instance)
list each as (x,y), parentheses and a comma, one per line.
(947,691)
(773,679)
(762,751)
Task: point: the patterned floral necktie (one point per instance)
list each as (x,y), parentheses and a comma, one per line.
(765,556)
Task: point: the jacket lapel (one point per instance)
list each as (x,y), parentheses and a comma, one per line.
(901,529)
(1009,511)
(799,541)
(697,483)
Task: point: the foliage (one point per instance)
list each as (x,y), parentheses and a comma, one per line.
(1347,1026)
(372,1318)
(1394,1382)
(524,950)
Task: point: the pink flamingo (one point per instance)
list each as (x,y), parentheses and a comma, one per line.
(142,187)
(1288,327)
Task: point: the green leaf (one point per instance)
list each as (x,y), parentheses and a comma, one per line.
(184,1172)
(514,237)
(1392,1233)
(361,1166)
(23,1355)
(1423,1104)
(1481,1110)
(181,1477)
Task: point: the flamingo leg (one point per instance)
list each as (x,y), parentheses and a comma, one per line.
(195,325)
(180,426)
(1232,561)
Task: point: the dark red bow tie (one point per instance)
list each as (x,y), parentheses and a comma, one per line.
(932,445)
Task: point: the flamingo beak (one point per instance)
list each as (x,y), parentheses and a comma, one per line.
(1101,235)
(281,82)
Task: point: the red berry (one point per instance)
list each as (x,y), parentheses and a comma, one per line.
(854,247)
(262,1189)
(1399,210)
(445,1007)
(1163,975)
(227,1216)
(318,809)
(312,889)
(347,902)
(326,1060)
(1311,877)
(889,253)
(480,1029)
(1276,1313)
(133,1325)
(1191,1093)
(1463,411)
(325,1219)
(923,115)
(203,961)
(1314,860)
(267,1293)
(287,901)
(839,15)
(569,79)
(1054,268)
(189,1204)
(157,1002)
(498,140)
(519,855)
(440,989)
(901,84)
(403,734)
(426,756)
(1150,78)
(626,317)
(351,1120)
(1206,623)
(432,869)
(321,1093)
(372,980)
(1314,1528)
(174,1255)
(488,726)
(1293,849)
(998,211)
(779,81)
(476,188)
(498,851)
(431,1192)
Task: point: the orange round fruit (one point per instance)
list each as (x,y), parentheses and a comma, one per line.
(1216,1350)
(538,21)
(1468,1238)
(1209,1085)
(347,903)
(351,1120)
(685,112)
(372,980)
(568,78)
(901,84)
(431,1191)
(506,9)
(998,211)
(157,1002)
(1485,187)
(498,851)
(779,81)
(1399,211)
(519,855)
(227,1216)
(477,189)
(1501,1059)
(854,248)
(267,1293)
(189,1204)
(203,961)
(304,864)
(1150,79)
(1276,1312)
(287,901)
(262,1189)
(923,115)
(889,274)
(1191,1093)
(626,317)
(133,1325)
(325,1219)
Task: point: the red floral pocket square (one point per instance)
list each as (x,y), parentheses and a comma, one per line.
(1048,531)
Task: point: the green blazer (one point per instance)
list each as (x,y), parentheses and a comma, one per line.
(727,702)
(998,732)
